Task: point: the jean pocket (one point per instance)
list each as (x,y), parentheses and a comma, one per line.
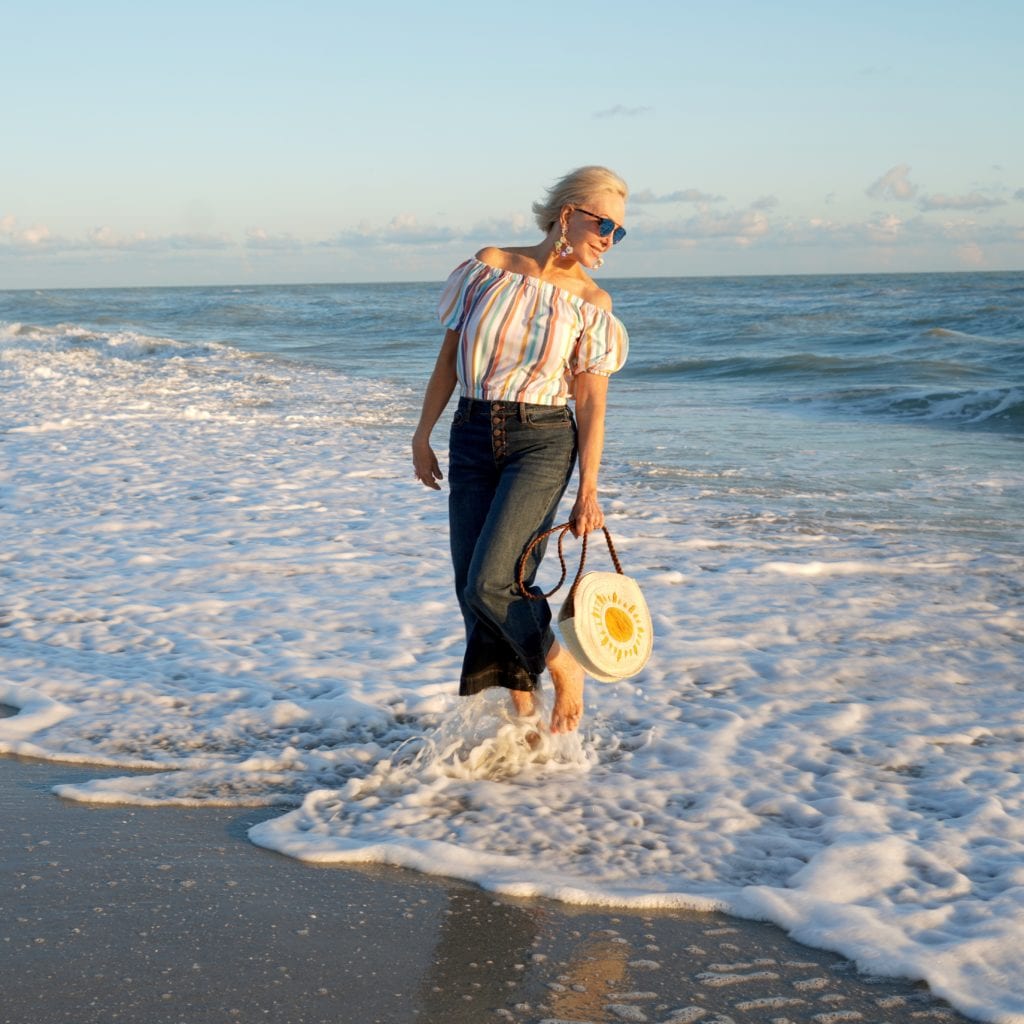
(554,416)
(459,418)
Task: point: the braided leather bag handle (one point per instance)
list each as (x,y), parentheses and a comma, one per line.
(564,528)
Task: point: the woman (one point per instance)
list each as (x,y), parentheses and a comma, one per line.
(526,330)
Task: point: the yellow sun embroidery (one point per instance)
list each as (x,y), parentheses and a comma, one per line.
(618,625)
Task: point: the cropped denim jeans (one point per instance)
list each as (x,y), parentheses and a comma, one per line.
(510,463)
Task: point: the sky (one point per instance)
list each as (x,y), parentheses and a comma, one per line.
(220,142)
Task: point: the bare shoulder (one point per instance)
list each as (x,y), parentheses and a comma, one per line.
(495,257)
(597,296)
(514,258)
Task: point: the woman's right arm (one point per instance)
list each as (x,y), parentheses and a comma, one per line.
(439,390)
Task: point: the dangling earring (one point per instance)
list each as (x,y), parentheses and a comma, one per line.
(562,246)
(599,262)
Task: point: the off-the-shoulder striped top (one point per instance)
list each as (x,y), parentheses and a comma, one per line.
(522,339)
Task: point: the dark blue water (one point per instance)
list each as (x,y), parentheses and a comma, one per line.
(946,349)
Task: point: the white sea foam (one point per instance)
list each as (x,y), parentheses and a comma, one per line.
(36,713)
(220,569)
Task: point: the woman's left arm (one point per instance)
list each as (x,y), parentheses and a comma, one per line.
(591,400)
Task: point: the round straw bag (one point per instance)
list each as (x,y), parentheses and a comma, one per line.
(604,621)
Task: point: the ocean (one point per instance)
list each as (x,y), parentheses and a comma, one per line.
(218,567)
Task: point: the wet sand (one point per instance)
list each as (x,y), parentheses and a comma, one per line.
(129,915)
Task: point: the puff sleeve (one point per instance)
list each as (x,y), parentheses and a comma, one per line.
(603,345)
(457,296)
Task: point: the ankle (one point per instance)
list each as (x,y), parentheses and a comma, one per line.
(523,702)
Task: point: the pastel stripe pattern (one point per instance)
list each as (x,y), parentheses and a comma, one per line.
(522,339)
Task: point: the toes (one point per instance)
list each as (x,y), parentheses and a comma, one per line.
(566,720)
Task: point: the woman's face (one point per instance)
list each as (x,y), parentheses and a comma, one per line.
(582,226)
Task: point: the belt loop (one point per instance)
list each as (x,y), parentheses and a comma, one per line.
(522,412)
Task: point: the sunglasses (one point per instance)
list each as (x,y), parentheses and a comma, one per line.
(606,226)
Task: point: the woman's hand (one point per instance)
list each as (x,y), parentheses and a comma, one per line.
(586,515)
(439,390)
(424,463)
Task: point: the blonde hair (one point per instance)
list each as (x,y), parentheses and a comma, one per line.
(577,187)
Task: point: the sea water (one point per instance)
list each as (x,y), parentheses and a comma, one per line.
(218,566)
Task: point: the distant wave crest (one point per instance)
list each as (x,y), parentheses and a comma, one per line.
(807,369)
(30,339)
(993,408)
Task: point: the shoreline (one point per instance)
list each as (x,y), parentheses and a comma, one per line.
(167,915)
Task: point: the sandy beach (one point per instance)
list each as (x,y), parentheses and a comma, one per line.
(170,916)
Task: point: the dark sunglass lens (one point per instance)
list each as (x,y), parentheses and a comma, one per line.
(606,226)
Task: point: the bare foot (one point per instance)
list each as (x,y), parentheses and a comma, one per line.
(525,706)
(567,677)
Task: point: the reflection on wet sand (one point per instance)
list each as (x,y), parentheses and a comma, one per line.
(596,967)
(482,950)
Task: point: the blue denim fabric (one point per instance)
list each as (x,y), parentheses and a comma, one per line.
(510,463)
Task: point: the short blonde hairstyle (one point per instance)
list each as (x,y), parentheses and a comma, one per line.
(576,188)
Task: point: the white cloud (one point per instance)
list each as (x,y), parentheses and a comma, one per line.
(103,236)
(621,111)
(38,235)
(501,230)
(755,225)
(885,229)
(952,228)
(143,242)
(953,234)
(972,201)
(971,255)
(686,195)
(41,238)
(260,238)
(403,229)
(741,227)
(894,184)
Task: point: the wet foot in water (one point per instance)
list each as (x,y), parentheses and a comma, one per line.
(567,677)
(525,706)
(522,701)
